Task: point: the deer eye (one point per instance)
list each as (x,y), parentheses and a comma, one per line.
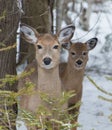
(39,46)
(73,53)
(55,47)
(84,53)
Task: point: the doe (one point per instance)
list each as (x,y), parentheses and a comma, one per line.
(46,77)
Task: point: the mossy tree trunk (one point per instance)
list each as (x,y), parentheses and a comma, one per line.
(9,18)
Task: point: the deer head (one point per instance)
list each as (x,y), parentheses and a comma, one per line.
(78,52)
(47,46)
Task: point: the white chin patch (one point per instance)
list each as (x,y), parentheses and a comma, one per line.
(50,66)
(47,67)
(78,67)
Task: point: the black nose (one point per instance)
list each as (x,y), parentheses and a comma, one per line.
(79,62)
(47,60)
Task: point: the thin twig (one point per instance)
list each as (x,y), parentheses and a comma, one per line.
(102,90)
(8,48)
(40,118)
(7,115)
(106,99)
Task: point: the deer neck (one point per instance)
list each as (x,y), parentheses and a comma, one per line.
(49,81)
(72,78)
(73,72)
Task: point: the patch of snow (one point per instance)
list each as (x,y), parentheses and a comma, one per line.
(95,112)
(21,125)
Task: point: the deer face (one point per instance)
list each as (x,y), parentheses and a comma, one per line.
(47,51)
(78,53)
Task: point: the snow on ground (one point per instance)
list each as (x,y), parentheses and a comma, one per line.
(95,112)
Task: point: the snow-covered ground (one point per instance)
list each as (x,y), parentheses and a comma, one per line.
(95,112)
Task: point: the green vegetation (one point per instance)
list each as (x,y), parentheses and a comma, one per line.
(39,118)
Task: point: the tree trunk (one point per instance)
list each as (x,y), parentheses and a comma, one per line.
(59,14)
(62,13)
(85,16)
(37,15)
(9,18)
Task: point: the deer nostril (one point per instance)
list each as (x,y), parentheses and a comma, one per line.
(79,62)
(47,60)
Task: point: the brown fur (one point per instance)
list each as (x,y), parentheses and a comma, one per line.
(72,77)
(45,80)
(46,76)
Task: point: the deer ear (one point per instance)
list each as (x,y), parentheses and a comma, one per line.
(91,43)
(66,45)
(66,34)
(29,33)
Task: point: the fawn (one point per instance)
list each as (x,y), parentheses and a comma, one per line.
(73,71)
